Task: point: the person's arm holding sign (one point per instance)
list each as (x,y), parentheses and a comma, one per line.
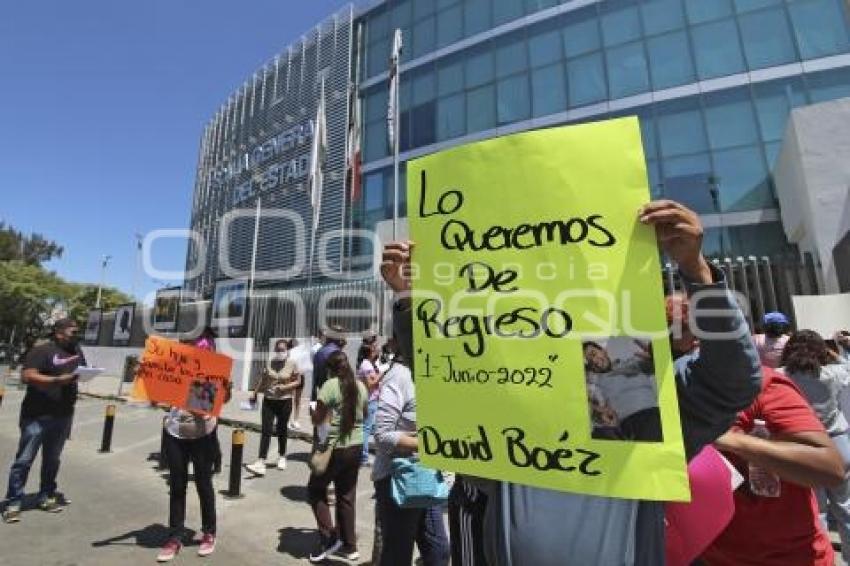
(394,396)
(724,376)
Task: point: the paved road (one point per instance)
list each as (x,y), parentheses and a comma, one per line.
(120,502)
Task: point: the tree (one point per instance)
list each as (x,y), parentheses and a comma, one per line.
(83,298)
(29,296)
(32,297)
(32,249)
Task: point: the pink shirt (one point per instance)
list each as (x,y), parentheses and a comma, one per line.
(770,349)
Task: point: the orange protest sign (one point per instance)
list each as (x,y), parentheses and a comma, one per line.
(182,376)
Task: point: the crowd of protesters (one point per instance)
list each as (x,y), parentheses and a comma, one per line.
(769,405)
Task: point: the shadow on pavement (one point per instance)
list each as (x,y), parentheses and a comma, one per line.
(152,536)
(298,456)
(294,492)
(297,542)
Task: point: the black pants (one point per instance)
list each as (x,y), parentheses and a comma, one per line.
(400,528)
(217,451)
(466,524)
(201,452)
(644,425)
(274,410)
(342,471)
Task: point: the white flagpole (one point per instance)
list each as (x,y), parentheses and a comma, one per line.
(254,246)
(250,298)
(395,57)
(316,180)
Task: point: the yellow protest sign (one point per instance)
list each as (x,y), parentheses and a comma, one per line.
(540,339)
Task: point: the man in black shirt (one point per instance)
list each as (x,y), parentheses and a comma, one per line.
(46,415)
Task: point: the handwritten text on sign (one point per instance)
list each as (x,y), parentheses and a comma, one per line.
(541,352)
(182,376)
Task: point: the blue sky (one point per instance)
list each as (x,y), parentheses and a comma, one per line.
(102,104)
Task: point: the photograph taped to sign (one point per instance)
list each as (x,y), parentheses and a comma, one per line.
(622,392)
(507,291)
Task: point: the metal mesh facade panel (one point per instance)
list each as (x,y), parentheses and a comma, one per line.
(257,145)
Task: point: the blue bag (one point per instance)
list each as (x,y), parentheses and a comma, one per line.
(416,487)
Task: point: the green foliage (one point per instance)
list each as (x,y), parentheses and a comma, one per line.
(32,296)
(29,295)
(32,249)
(84,298)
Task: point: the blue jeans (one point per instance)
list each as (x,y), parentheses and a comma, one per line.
(368,427)
(49,433)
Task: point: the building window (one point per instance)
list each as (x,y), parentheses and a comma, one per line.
(627,72)
(476,16)
(742,177)
(767,39)
(670,60)
(680,128)
(373,190)
(730,119)
(450,117)
(687,180)
(402,13)
(424,87)
(510,57)
(662,15)
(581,34)
(481,109)
(424,37)
(549,90)
(423,118)
(773,102)
(717,49)
(544,48)
(620,24)
(586,80)
(376,105)
(449,25)
(449,77)
(513,99)
(376,141)
(506,10)
(480,68)
(701,11)
(829,85)
(820,27)
(377,57)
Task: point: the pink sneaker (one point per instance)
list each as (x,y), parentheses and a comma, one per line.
(207,545)
(169,550)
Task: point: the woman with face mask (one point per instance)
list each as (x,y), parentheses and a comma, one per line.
(279,381)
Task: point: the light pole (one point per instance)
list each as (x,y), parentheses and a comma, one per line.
(138,265)
(103,265)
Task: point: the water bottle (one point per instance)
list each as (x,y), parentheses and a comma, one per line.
(762,482)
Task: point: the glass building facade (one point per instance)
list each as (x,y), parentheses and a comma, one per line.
(712,81)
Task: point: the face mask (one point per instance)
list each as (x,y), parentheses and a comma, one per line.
(70,343)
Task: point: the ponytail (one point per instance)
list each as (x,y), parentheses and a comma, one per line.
(341,369)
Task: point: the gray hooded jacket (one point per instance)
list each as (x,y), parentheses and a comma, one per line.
(526,526)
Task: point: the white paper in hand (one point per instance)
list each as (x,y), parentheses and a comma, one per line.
(85,374)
